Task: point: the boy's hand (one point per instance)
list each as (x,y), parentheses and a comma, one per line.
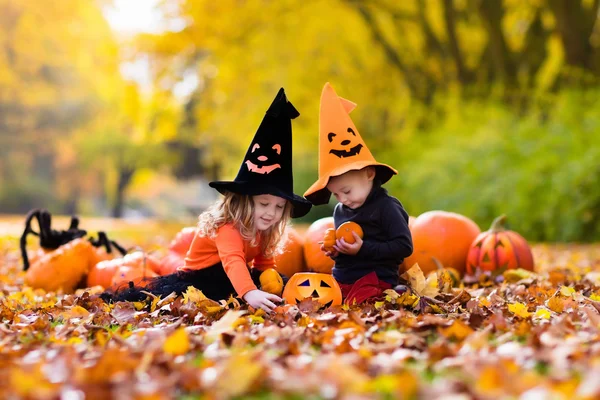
(329,253)
(259,299)
(351,249)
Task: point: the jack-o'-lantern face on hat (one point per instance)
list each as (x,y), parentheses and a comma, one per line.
(344,145)
(265,159)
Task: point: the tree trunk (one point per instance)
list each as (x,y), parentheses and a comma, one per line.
(450,18)
(125,175)
(575,26)
(491,12)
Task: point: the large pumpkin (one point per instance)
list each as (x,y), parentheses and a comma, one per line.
(63,268)
(316,260)
(441,235)
(291,260)
(320,287)
(499,248)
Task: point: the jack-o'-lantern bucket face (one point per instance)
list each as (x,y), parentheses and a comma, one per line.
(264,159)
(320,287)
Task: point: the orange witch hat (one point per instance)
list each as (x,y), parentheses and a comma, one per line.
(341,148)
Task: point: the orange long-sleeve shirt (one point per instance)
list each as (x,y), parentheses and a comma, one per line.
(229,248)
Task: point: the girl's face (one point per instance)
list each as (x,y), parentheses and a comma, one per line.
(268,210)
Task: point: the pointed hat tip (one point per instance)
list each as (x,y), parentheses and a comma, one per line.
(346,104)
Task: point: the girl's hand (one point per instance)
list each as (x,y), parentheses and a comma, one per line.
(329,253)
(351,249)
(259,299)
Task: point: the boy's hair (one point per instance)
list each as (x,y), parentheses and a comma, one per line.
(238,209)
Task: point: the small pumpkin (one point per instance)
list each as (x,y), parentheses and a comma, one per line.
(316,260)
(344,231)
(271,282)
(320,287)
(499,248)
(291,260)
(62,269)
(103,272)
(329,239)
(450,275)
(183,240)
(170,263)
(125,274)
(441,235)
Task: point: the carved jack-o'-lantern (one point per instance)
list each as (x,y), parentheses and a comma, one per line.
(263,160)
(348,144)
(320,287)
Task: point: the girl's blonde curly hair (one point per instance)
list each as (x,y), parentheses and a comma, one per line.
(238,209)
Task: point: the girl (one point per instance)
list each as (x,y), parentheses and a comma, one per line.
(243,227)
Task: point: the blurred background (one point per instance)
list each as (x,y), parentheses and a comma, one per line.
(127,108)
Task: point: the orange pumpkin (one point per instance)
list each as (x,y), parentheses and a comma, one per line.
(316,260)
(125,274)
(63,268)
(499,248)
(170,263)
(321,287)
(271,282)
(344,231)
(291,260)
(329,239)
(103,273)
(182,241)
(441,235)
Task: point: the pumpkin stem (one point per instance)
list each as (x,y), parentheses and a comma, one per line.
(498,224)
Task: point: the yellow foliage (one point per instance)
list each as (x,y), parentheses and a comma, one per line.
(178,343)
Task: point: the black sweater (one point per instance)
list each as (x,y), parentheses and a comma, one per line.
(386,242)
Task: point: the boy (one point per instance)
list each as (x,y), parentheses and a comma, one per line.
(348,170)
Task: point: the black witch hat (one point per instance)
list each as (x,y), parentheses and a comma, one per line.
(267,167)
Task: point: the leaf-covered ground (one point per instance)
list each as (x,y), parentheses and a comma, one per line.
(529,337)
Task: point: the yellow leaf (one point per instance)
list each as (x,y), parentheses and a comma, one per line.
(515,275)
(542,313)
(193,295)
(595,297)
(75,312)
(567,291)
(556,304)
(178,343)
(424,287)
(379,305)
(519,309)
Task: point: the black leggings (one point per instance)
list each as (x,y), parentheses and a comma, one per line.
(212,281)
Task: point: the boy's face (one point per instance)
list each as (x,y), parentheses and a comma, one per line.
(268,210)
(352,188)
